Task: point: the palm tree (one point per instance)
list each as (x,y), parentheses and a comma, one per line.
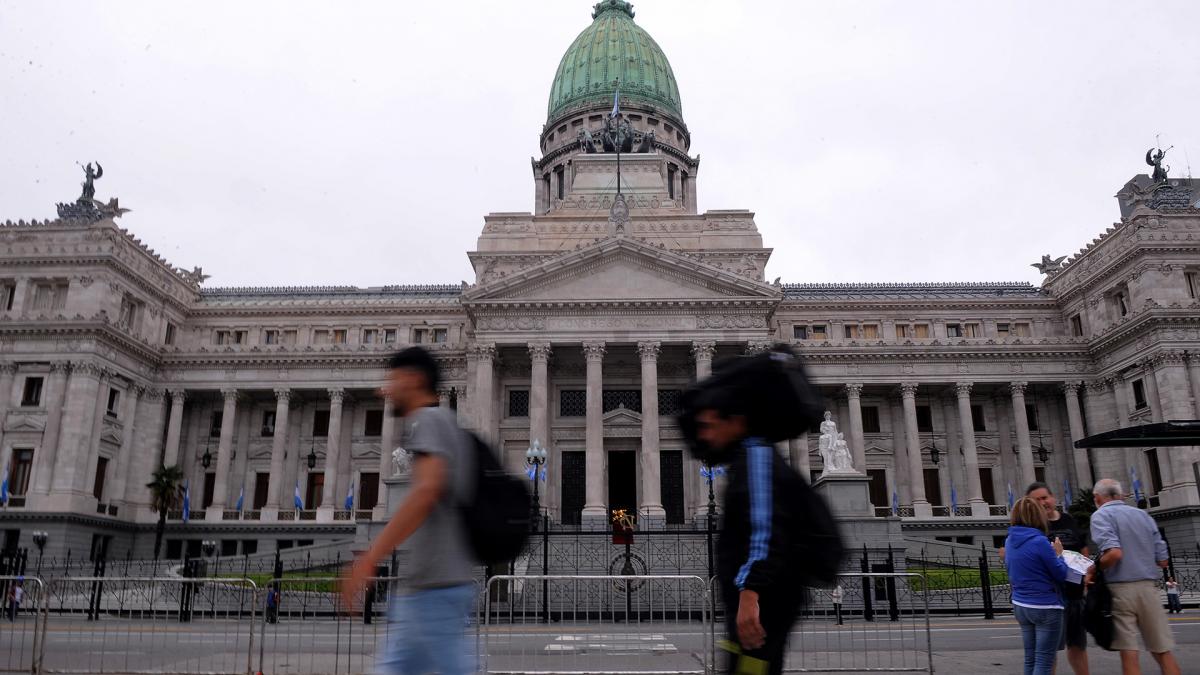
(166,493)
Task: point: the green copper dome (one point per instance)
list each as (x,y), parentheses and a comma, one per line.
(614,48)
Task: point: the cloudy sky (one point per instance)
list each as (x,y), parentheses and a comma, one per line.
(281,143)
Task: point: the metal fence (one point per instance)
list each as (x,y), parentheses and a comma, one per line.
(604,624)
(19,640)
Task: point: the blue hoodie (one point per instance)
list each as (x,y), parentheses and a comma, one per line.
(1034,570)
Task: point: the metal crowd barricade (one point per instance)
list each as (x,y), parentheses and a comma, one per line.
(307,629)
(603,624)
(149,625)
(881,626)
(20,632)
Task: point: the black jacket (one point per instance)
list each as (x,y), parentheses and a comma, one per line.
(757,550)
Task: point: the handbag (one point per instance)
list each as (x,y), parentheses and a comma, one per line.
(1097,610)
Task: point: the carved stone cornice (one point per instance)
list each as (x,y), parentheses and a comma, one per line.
(593,351)
(539,351)
(649,350)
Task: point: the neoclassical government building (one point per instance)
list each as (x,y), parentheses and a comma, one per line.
(589,314)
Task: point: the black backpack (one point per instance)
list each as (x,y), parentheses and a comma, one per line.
(1097,611)
(497,514)
(816,543)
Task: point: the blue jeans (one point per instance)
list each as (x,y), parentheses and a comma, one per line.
(427,633)
(1041,630)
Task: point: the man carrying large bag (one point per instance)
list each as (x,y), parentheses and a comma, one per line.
(777,536)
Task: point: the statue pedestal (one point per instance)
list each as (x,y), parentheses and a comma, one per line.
(849,497)
(395,489)
(848,494)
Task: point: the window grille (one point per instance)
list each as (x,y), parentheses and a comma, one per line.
(572,403)
(668,402)
(630,399)
(518,403)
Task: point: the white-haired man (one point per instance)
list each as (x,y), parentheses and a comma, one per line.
(1131,554)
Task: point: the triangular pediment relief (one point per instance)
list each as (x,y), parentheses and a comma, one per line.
(876,450)
(620,268)
(110,435)
(25,423)
(622,417)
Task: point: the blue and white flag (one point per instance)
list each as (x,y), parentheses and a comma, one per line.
(4,488)
(616,102)
(953,499)
(296,497)
(1010,496)
(241,499)
(187,500)
(1067,496)
(710,473)
(532,474)
(1136,484)
(350,497)
(895,503)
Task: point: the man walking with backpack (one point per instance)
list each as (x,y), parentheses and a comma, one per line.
(430,620)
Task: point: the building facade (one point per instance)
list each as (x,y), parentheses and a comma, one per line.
(587,318)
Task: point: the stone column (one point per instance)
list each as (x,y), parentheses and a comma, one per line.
(1175,403)
(278,498)
(595,502)
(485,404)
(651,463)
(1193,366)
(332,454)
(539,415)
(979,508)
(1083,470)
(858,445)
(151,416)
(916,467)
(1024,447)
(703,351)
(224,455)
(387,444)
(170,454)
(8,371)
(47,454)
(70,490)
(798,448)
(1152,394)
(129,426)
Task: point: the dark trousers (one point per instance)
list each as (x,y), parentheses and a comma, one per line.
(12,610)
(777,613)
(1173,604)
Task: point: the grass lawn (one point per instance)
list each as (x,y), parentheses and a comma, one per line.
(295,581)
(960,577)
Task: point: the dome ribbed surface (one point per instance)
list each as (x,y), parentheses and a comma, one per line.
(613,47)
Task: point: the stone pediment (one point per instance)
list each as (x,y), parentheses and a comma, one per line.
(621,268)
(622,417)
(20,422)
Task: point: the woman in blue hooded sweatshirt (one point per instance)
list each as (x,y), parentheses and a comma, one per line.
(1036,572)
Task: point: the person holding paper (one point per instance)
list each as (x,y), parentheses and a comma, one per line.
(1061,526)
(1036,572)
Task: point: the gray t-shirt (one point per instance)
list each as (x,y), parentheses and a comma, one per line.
(439,553)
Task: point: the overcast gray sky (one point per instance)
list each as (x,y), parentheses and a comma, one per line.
(281,143)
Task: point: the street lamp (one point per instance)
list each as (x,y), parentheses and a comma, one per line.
(40,538)
(312,456)
(935,455)
(1042,453)
(208,546)
(535,459)
(206,458)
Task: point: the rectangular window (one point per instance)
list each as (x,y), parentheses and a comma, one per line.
(320,423)
(518,403)
(870,331)
(101,472)
(389,336)
(19,472)
(903,330)
(954,330)
(1003,330)
(50,296)
(870,420)
(1192,278)
(370,336)
(933,487)
(971,330)
(169,338)
(1021,330)
(262,486)
(214,424)
(629,399)
(440,335)
(977,421)
(878,487)
(368,490)
(419,336)
(8,293)
(270,337)
(572,403)
(921,331)
(1077,326)
(851,332)
(986,485)
(1120,303)
(1039,474)
(799,332)
(221,337)
(239,337)
(670,181)
(268,424)
(819,333)
(249,546)
(924,419)
(288,337)
(573,486)
(31,395)
(320,337)
(373,426)
(671,485)
(315,490)
(114,402)
(1156,483)
(130,313)
(339,336)
(1139,395)
(1032,416)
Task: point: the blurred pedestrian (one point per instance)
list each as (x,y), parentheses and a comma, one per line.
(1060,525)
(273,603)
(1036,573)
(1132,555)
(16,594)
(1173,605)
(836,596)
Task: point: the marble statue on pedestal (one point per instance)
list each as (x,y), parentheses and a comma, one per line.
(835,453)
(400,462)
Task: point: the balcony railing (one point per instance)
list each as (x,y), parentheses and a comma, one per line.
(998,510)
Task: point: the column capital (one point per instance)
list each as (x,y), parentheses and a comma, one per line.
(61,367)
(593,351)
(703,350)
(178,396)
(757,346)
(154,394)
(8,368)
(283,395)
(539,351)
(1070,388)
(137,390)
(1170,356)
(649,350)
(854,390)
(336,395)
(1018,388)
(86,368)
(1097,386)
(230,395)
(908,389)
(963,389)
(484,350)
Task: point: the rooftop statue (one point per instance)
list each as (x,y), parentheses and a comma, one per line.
(1048,266)
(89,183)
(617,134)
(1154,158)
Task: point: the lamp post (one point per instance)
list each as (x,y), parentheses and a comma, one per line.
(40,538)
(206,458)
(935,455)
(535,459)
(312,457)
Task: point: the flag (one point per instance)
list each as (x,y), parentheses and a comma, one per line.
(616,102)
(1010,496)
(1137,486)
(187,500)
(241,499)
(1067,493)
(350,497)
(296,497)
(895,503)
(4,488)
(953,500)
